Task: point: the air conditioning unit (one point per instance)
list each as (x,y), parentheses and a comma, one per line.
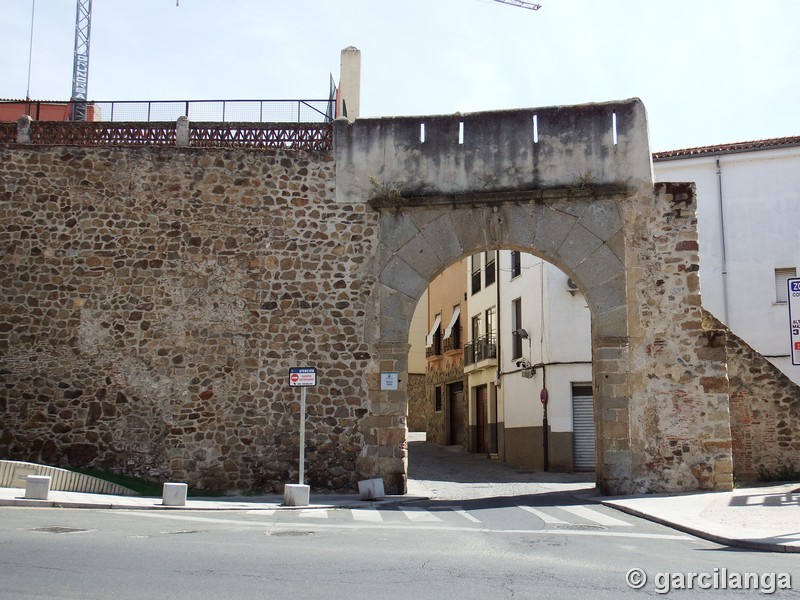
(571,286)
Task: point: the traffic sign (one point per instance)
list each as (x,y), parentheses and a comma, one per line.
(794,318)
(302,376)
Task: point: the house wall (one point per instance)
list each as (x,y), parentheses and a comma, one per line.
(760,194)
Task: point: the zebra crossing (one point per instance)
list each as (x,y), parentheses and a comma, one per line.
(556,516)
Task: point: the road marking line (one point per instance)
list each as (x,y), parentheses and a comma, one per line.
(589,514)
(462,512)
(549,519)
(418,514)
(267,512)
(313,513)
(366,514)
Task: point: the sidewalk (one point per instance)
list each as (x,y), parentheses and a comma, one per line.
(59,499)
(760,517)
(757,517)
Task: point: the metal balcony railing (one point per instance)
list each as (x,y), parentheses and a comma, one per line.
(482,348)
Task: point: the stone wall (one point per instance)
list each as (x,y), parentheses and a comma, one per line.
(765,409)
(154,300)
(419,408)
(679,414)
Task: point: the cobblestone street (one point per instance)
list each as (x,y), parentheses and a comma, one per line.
(449,473)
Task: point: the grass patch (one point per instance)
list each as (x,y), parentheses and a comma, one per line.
(782,473)
(139,485)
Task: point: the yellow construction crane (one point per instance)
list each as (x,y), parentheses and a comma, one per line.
(521,4)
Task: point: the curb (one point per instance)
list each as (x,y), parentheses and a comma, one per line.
(239,506)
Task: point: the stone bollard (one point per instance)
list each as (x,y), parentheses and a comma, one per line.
(174,494)
(182,132)
(371,489)
(295,494)
(37,487)
(24,130)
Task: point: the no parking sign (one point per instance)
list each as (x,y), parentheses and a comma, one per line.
(794,318)
(302,376)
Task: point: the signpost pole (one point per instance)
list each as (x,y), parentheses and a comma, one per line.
(301,477)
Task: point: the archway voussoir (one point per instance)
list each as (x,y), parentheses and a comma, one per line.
(397,229)
(401,277)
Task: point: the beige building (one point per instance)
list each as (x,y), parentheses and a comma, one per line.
(445,416)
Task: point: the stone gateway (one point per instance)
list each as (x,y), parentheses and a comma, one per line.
(155,297)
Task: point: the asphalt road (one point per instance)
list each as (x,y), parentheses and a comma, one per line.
(467,542)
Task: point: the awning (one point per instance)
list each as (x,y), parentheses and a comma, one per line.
(436,323)
(449,331)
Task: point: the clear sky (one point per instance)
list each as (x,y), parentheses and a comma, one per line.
(708,71)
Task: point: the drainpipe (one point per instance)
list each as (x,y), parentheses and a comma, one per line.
(724,265)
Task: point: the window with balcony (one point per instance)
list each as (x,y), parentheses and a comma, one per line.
(433,343)
(452,333)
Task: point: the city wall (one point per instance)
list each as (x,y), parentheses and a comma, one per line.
(155,297)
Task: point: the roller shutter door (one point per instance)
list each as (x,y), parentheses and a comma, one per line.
(583,451)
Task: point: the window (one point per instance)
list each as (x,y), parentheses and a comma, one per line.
(476,327)
(437,398)
(433,342)
(516,328)
(491,272)
(476,273)
(781,283)
(490,313)
(516,264)
(452,333)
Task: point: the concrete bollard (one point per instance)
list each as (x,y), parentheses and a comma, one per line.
(174,494)
(37,487)
(295,494)
(370,489)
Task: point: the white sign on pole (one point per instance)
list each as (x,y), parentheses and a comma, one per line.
(794,318)
(302,376)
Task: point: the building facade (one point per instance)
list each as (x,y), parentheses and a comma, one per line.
(527,359)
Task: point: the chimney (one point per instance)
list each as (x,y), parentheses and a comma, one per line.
(348,102)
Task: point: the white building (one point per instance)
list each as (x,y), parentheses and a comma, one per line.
(545,354)
(748,197)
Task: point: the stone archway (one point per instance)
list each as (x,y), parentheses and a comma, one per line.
(573,185)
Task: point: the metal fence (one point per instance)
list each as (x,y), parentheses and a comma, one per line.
(221,111)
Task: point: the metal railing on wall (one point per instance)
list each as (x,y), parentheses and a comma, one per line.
(222,111)
(184,133)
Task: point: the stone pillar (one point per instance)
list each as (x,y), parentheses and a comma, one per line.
(349,99)
(384,429)
(24,130)
(611,407)
(182,132)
